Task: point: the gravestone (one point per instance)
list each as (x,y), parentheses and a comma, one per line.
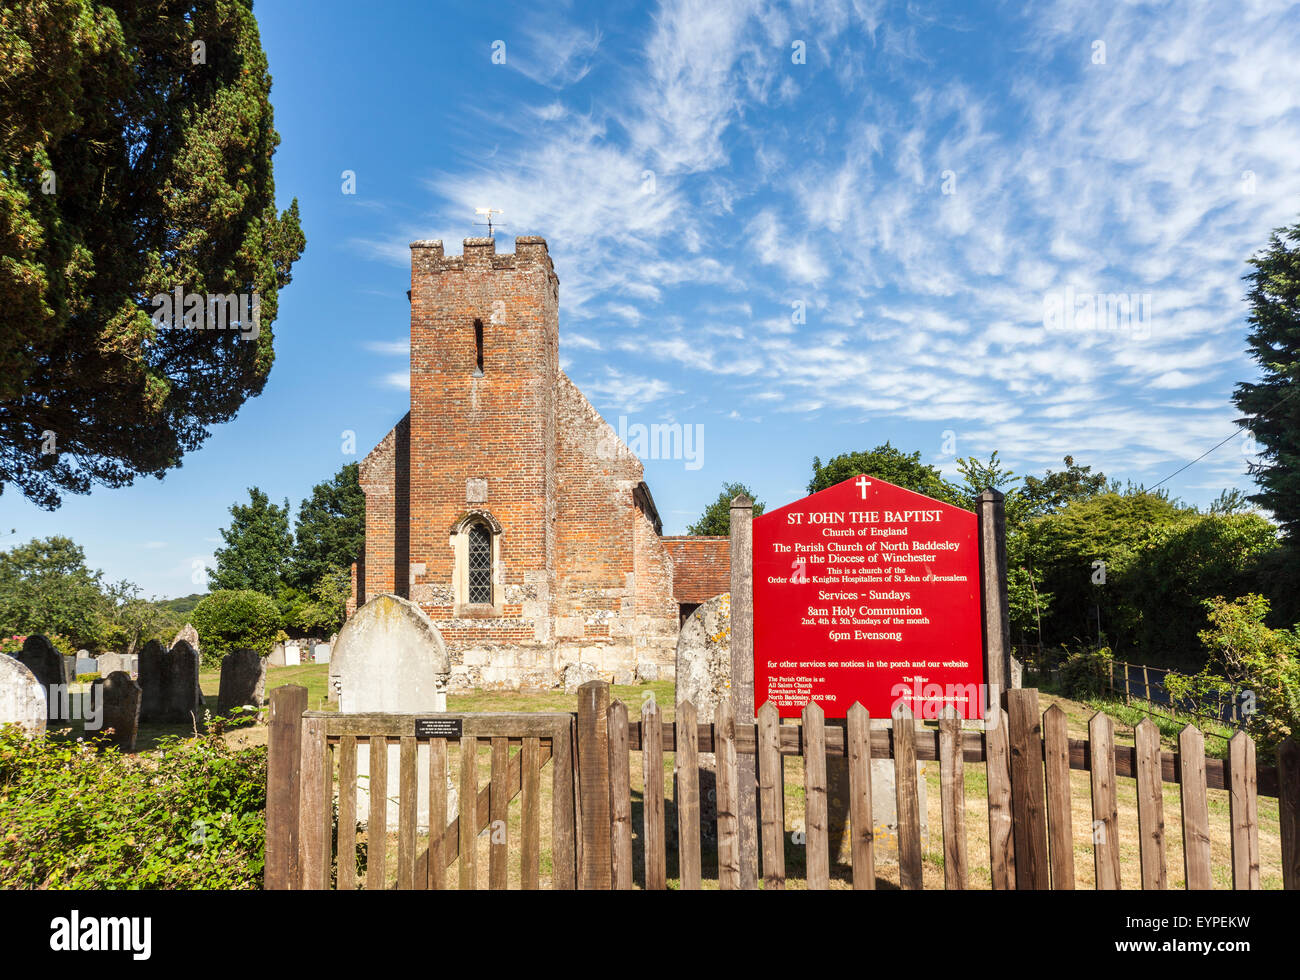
(243,680)
(391,658)
(69,669)
(110,663)
(187,695)
(22,699)
(276,658)
(86,665)
(320,653)
(575,675)
(190,635)
(120,697)
(292,655)
(169,684)
(150,677)
(45,662)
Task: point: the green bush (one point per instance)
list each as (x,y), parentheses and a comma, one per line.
(192,816)
(1084,672)
(232,618)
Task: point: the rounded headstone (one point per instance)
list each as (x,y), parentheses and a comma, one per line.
(243,680)
(45,662)
(119,696)
(22,700)
(390,657)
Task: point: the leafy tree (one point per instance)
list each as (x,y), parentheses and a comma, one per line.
(716,518)
(1271,407)
(888,464)
(45,587)
(135,159)
(331,529)
(232,618)
(1054,490)
(258,548)
(129,621)
(1248,658)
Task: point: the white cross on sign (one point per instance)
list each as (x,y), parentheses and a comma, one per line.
(862,485)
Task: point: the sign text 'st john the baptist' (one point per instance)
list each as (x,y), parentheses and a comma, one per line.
(867,592)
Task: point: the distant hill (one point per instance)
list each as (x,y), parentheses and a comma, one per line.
(184,605)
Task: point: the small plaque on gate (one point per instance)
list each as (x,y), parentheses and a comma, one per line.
(437,727)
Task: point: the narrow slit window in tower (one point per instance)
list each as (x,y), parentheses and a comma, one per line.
(478,348)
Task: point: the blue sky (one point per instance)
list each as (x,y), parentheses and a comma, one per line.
(801,258)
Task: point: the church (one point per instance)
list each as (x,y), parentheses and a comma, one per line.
(505,506)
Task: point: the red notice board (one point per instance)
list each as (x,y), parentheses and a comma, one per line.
(868,592)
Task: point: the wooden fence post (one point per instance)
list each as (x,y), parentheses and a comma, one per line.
(1195,809)
(906,801)
(315,810)
(1288,810)
(1060,828)
(686,767)
(997,754)
(284,740)
(742,679)
(1028,807)
(1243,807)
(593,785)
(620,795)
(653,840)
(952,789)
(724,727)
(1105,808)
(862,824)
(772,789)
(1150,806)
(816,856)
(995,611)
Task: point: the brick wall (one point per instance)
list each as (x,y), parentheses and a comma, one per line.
(701,566)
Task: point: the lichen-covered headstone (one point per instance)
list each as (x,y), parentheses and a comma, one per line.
(575,675)
(704,657)
(22,699)
(243,680)
(190,635)
(119,696)
(45,662)
(391,658)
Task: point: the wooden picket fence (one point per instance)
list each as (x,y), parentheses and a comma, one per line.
(1028,756)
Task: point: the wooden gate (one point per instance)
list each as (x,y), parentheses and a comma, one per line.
(305,851)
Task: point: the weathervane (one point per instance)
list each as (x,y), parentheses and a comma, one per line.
(487,212)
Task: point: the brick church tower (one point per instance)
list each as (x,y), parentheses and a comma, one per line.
(503,504)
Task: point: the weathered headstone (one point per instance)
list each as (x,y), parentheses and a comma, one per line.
(109,663)
(45,662)
(69,669)
(276,658)
(243,680)
(391,658)
(575,675)
(704,657)
(150,677)
(169,683)
(22,699)
(190,635)
(187,696)
(292,655)
(86,665)
(647,672)
(320,653)
(120,697)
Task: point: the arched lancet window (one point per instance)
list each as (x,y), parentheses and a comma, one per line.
(480,564)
